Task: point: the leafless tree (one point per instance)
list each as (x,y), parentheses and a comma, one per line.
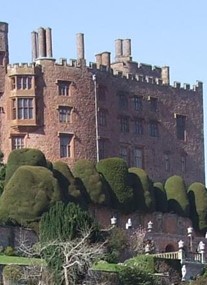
(78,255)
(137,239)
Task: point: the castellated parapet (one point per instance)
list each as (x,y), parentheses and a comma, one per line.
(140,115)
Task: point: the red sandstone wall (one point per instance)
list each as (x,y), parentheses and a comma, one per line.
(170,101)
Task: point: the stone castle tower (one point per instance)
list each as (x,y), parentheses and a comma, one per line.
(71,110)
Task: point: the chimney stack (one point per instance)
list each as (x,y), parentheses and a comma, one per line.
(48,34)
(80,46)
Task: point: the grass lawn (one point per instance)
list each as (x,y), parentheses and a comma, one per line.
(4,259)
(105,266)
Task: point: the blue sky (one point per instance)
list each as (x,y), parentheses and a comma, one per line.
(163,32)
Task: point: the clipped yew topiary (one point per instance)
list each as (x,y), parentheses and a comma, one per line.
(177,196)
(24,156)
(94,183)
(116,174)
(71,188)
(160,197)
(143,187)
(29,193)
(197,195)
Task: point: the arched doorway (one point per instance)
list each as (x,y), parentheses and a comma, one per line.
(169,248)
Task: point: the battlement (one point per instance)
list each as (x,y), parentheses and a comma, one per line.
(142,77)
(20,68)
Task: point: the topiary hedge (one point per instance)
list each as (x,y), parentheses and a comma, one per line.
(94,183)
(29,192)
(144,195)
(177,196)
(24,156)
(116,174)
(197,195)
(71,188)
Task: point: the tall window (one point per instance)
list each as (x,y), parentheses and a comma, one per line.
(25,108)
(137,103)
(153,129)
(138,157)
(123,100)
(124,122)
(65,145)
(138,127)
(64,114)
(167,162)
(17,142)
(181,127)
(102,118)
(64,87)
(153,104)
(123,153)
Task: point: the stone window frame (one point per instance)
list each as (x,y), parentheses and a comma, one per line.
(154,128)
(181,133)
(17,141)
(138,102)
(124,152)
(63,87)
(66,144)
(124,124)
(123,100)
(153,103)
(102,117)
(138,159)
(138,126)
(22,82)
(65,113)
(24,110)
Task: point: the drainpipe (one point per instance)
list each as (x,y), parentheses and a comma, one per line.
(96,117)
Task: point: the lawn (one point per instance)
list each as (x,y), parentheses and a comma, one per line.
(4,259)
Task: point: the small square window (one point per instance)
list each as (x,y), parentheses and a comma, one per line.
(64,114)
(63,88)
(17,142)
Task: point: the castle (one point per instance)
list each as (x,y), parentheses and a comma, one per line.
(71,110)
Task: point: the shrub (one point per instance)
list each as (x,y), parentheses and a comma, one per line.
(12,272)
(143,189)
(142,262)
(132,275)
(29,193)
(24,156)
(177,196)
(71,190)
(93,182)
(9,251)
(197,194)
(117,244)
(64,222)
(116,174)
(160,197)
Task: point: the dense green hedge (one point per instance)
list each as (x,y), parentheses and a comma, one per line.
(177,196)
(24,156)
(70,187)
(94,183)
(197,194)
(143,194)
(29,193)
(116,174)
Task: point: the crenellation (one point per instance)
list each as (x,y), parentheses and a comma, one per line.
(186,86)
(177,84)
